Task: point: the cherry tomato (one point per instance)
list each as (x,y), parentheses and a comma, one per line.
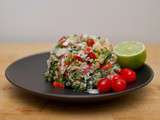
(104,85)
(77,57)
(90,42)
(118,84)
(106,67)
(128,74)
(116,77)
(58,84)
(92,55)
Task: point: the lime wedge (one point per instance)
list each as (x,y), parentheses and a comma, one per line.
(131,54)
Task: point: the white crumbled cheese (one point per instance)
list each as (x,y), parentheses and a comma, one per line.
(93,37)
(65,43)
(105,43)
(101,44)
(85,36)
(48,63)
(97,45)
(62,67)
(92,91)
(82,45)
(81,54)
(61,51)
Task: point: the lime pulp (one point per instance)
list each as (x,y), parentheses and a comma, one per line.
(131,54)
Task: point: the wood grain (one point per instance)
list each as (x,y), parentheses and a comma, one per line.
(17,105)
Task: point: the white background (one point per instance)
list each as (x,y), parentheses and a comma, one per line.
(46,20)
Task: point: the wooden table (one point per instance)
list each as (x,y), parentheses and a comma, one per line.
(143,104)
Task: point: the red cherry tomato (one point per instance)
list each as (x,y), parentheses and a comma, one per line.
(118,84)
(58,84)
(104,85)
(92,55)
(77,57)
(106,67)
(116,77)
(128,74)
(90,42)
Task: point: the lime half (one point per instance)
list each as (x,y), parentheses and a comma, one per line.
(131,54)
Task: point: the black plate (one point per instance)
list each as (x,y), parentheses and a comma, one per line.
(28,74)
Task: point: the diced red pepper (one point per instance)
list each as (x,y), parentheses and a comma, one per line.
(58,84)
(85,71)
(87,50)
(92,55)
(106,67)
(77,57)
(90,42)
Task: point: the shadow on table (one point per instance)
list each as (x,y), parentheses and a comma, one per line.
(120,103)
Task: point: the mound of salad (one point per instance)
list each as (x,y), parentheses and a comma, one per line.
(86,63)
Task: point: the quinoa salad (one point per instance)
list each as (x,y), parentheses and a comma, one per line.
(79,62)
